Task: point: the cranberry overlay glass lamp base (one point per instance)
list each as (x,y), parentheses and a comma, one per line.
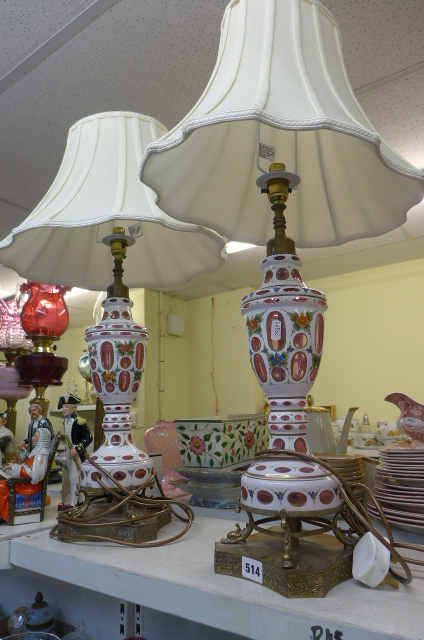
(116,348)
(114,478)
(285,333)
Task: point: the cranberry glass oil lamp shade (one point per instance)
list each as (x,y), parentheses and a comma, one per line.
(44,319)
(97,199)
(279,91)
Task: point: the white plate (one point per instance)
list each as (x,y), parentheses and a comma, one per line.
(400,491)
(399,498)
(401,447)
(408,480)
(403,460)
(413,528)
(401,505)
(406,516)
(405,482)
(403,471)
(393,495)
(399,474)
(413,468)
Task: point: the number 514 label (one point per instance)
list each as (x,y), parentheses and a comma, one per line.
(252,569)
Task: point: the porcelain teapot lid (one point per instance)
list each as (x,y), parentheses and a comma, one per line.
(310,406)
(316,410)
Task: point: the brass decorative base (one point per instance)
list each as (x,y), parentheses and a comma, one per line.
(113,527)
(122,516)
(320,563)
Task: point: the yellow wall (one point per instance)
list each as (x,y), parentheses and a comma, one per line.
(374,344)
(217,344)
(374,339)
(167,372)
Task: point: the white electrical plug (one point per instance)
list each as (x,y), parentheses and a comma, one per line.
(371,560)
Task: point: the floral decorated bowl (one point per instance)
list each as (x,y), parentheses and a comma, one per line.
(221,441)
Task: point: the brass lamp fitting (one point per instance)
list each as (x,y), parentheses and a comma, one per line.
(278,188)
(118,243)
(43,344)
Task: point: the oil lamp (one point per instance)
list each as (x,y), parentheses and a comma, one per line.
(44,319)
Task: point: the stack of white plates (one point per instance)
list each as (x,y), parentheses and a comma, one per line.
(400,486)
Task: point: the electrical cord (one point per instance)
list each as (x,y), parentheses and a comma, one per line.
(360,521)
(122,498)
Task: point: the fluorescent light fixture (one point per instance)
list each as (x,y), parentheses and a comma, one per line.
(233,247)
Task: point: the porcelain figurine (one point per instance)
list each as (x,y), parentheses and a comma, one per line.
(37,421)
(77,439)
(33,466)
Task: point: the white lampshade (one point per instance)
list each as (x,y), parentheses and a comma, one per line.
(97,188)
(280,80)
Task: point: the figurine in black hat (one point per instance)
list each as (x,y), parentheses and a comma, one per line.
(37,421)
(77,437)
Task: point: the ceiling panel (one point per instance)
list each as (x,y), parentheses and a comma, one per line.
(62,61)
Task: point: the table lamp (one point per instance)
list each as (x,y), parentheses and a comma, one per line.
(97,199)
(279,93)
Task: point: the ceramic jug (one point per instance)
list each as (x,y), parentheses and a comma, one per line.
(344,435)
(411,420)
(320,433)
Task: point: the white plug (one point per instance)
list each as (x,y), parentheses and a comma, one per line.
(371,560)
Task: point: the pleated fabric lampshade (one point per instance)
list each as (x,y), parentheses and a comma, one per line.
(96,189)
(280,80)
(279,95)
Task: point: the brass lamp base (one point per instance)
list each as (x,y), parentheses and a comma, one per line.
(320,563)
(141,527)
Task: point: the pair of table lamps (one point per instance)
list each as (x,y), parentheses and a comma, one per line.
(278,93)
